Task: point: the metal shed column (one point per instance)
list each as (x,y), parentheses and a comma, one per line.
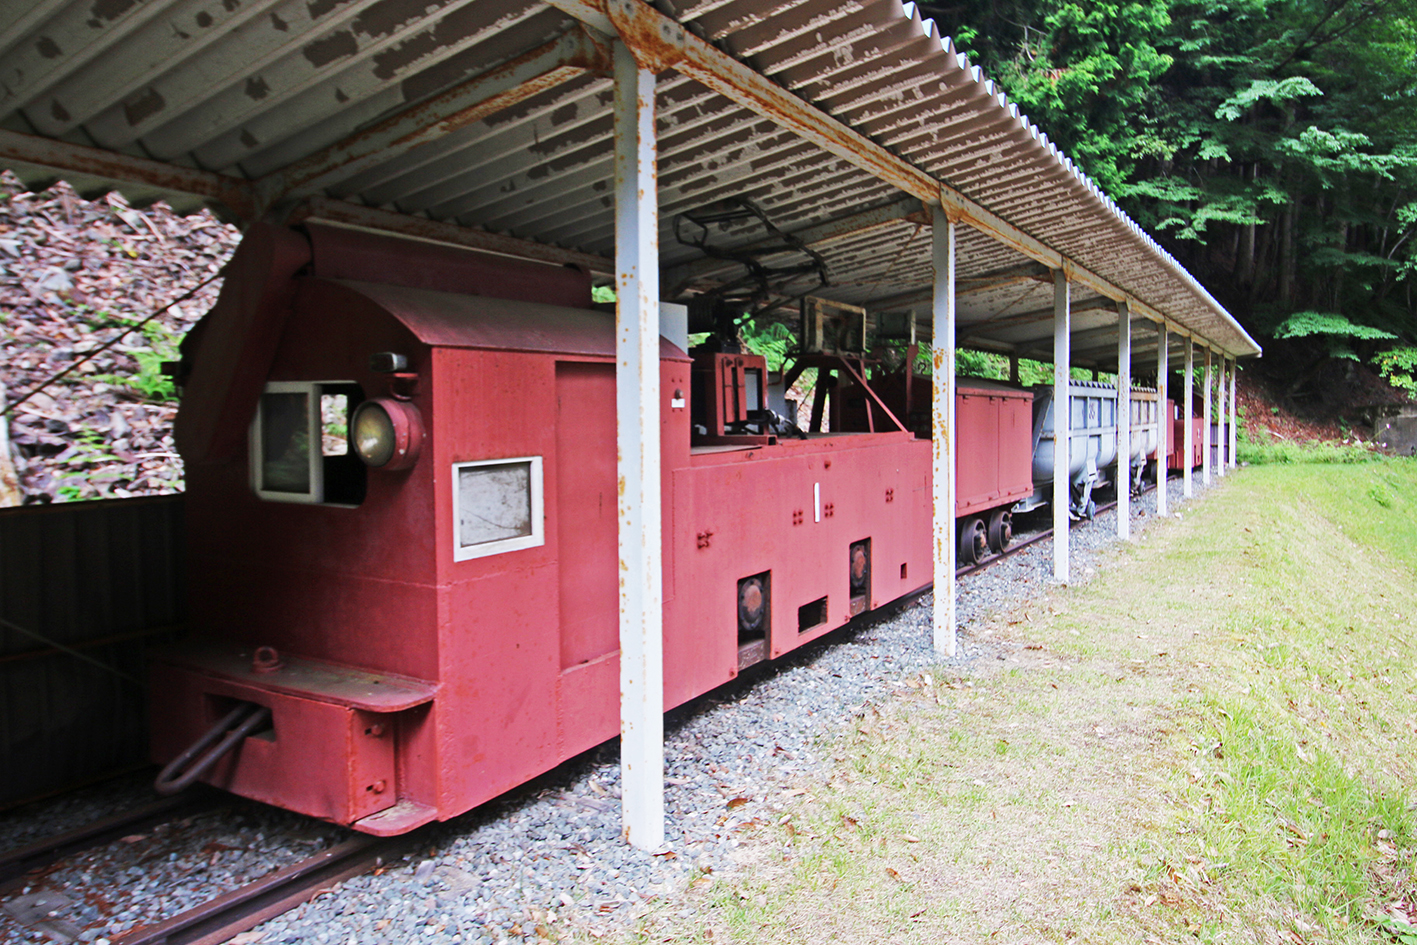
(942,413)
(1062,421)
(1205,419)
(1163,419)
(1234,427)
(1190,446)
(637,437)
(1124,420)
(1222,447)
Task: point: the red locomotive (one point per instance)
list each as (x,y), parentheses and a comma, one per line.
(402,517)
(395,627)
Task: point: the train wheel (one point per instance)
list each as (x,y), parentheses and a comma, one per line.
(973,540)
(1001,529)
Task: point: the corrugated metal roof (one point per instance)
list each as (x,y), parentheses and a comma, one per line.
(314,97)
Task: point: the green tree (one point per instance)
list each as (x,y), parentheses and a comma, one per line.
(1272,144)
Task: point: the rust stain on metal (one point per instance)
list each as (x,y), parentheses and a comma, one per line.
(454,28)
(142,107)
(319,8)
(233,193)
(428,121)
(564,114)
(337,45)
(109,10)
(657,42)
(389,16)
(340,212)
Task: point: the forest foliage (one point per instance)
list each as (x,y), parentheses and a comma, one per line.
(1270,144)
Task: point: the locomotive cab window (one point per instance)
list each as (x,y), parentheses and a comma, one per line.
(300,443)
(497,506)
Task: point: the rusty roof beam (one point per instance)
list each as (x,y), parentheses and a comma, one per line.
(968,285)
(349,214)
(574,52)
(233,193)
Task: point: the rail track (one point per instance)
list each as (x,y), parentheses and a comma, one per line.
(26,859)
(240,909)
(1020,544)
(225,915)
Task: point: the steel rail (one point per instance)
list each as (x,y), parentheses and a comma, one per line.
(231,913)
(1034,539)
(33,856)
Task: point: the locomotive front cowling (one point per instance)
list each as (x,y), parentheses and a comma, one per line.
(330,549)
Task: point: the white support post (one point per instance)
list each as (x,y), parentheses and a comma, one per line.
(1187,411)
(1206,438)
(1234,417)
(1124,421)
(1222,447)
(942,412)
(637,438)
(1163,418)
(1062,421)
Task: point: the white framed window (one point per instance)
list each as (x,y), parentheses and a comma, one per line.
(497,506)
(299,443)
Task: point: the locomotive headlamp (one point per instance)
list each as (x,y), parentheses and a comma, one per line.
(386,433)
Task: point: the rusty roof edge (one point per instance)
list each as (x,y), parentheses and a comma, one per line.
(235,194)
(662,42)
(1101,197)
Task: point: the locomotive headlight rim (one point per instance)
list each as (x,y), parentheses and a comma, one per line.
(386,433)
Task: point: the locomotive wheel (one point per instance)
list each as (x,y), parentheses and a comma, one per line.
(751,606)
(860,568)
(973,540)
(1001,529)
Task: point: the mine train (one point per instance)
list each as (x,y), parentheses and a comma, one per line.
(401,513)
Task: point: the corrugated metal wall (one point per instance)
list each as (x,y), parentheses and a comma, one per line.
(85,588)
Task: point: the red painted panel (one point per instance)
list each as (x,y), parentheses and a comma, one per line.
(976,452)
(233,346)
(874,486)
(994,452)
(1176,458)
(586,511)
(322,759)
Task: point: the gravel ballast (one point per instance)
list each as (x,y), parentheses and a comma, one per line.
(549,855)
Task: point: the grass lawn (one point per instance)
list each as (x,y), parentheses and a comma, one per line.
(1214,740)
